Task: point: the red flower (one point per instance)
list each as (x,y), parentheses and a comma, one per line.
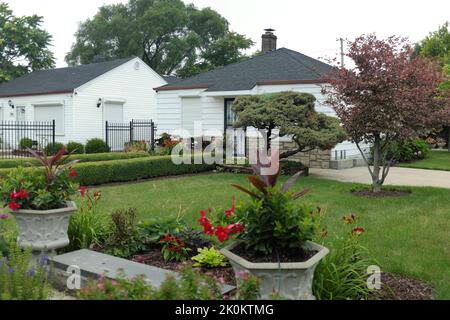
(235,228)
(22,194)
(233,208)
(358,230)
(204,222)
(83,190)
(222,233)
(14,205)
(72,173)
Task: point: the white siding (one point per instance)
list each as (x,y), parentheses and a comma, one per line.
(211,109)
(133,87)
(29,102)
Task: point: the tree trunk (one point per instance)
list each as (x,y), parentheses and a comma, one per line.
(448,141)
(376,183)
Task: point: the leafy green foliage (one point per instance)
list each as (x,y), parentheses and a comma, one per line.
(96,145)
(45,189)
(409,150)
(124,240)
(170,36)
(25,143)
(88,226)
(191,286)
(247,287)
(19,281)
(155,228)
(209,258)
(74,147)
(24,45)
(272,221)
(292,114)
(342,274)
(52,148)
(93,157)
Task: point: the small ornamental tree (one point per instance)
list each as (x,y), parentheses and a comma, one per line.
(388,96)
(292,114)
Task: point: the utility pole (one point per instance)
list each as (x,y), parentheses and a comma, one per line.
(341,40)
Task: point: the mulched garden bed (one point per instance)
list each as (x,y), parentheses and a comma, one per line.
(155,258)
(398,287)
(393,286)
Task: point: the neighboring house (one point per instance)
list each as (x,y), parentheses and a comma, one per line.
(80,99)
(208,97)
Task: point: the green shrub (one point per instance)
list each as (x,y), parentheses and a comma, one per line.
(289,167)
(53,148)
(209,258)
(19,280)
(27,162)
(87,226)
(96,145)
(134,169)
(100,172)
(25,143)
(124,239)
(342,274)
(408,151)
(75,147)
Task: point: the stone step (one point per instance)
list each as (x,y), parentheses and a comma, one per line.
(93,265)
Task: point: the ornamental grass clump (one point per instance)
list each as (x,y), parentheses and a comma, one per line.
(44,188)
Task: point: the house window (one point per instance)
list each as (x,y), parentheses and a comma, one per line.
(49,113)
(230,116)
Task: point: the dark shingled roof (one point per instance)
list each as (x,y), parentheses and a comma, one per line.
(171,79)
(57,80)
(274,67)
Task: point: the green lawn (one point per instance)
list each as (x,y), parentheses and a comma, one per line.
(408,235)
(437,160)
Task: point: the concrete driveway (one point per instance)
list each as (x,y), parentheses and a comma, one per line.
(397,176)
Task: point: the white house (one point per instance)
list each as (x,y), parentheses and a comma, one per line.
(208,97)
(80,99)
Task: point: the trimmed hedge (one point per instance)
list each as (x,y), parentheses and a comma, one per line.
(31,162)
(94,173)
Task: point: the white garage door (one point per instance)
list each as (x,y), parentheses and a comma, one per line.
(191,111)
(113,112)
(51,112)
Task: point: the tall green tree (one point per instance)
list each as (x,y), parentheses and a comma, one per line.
(437,45)
(24,45)
(170,36)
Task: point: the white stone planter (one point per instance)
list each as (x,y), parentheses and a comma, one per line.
(44,230)
(291,280)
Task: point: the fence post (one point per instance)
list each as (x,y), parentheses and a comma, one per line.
(152,135)
(131,130)
(106,133)
(53,136)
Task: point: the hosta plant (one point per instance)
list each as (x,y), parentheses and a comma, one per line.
(209,258)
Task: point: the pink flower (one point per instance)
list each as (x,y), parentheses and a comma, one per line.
(4,216)
(83,190)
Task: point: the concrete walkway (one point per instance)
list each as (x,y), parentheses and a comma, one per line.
(397,176)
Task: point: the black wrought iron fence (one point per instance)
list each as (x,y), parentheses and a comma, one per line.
(130,135)
(17,136)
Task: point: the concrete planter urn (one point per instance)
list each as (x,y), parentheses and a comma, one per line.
(291,280)
(43,230)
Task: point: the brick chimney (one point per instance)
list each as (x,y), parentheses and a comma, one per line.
(269,41)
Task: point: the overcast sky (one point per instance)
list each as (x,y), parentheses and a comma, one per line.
(310,27)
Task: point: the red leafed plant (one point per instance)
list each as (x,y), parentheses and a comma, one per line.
(43,188)
(272,221)
(174,248)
